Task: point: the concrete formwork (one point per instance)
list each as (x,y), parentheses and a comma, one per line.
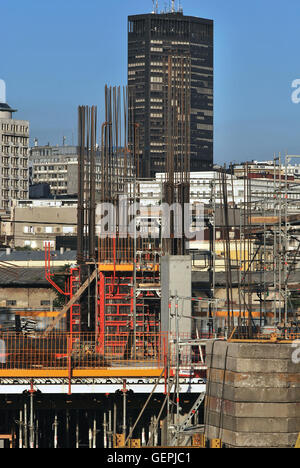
(253,394)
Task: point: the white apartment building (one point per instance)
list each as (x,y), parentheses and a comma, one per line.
(14,145)
(206,188)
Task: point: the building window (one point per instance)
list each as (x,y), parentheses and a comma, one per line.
(11,303)
(49,243)
(68,230)
(45,303)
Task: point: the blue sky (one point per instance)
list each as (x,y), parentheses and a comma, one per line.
(59,54)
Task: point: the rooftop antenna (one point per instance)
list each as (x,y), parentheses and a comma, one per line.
(155,6)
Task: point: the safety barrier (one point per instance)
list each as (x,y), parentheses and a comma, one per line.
(62,350)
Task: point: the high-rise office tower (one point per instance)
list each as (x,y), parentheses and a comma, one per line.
(170,50)
(14,137)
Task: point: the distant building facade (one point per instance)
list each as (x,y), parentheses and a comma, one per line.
(57,166)
(14,152)
(152,39)
(37,222)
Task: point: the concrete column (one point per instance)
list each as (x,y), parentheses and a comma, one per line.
(176,280)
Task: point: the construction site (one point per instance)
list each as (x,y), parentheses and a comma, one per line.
(160,342)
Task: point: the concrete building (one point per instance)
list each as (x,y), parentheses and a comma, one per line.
(267,170)
(58,167)
(152,39)
(26,293)
(205,187)
(14,144)
(37,222)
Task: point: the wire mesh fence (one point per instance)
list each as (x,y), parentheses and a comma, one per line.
(60,350)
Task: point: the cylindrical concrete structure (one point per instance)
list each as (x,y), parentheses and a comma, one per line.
(253,394)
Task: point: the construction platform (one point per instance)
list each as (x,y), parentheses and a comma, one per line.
(80,384)
(80,363)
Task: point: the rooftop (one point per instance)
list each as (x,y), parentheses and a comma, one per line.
(15,277)
(36,256)
(6,108)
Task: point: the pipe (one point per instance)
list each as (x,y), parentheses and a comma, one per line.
(110,429)
(37,433)
(155,432)
(77,429)
(21,430)
(95,433)
(67,429)
(55,426)
(90,437)
(144,443)
(31,426)
(124,407)
(115,419)
(104,431)
(25,427)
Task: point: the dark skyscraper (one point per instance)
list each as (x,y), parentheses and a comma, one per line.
(154,41)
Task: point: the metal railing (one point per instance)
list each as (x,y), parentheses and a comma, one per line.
(62,350)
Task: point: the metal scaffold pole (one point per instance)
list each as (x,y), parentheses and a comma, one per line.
(55,432)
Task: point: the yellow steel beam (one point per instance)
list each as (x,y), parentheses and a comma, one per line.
(236,313)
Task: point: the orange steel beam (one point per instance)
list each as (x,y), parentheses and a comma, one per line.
(112,267)
(223,313)
(37,313)
(121,267)
(64,373)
